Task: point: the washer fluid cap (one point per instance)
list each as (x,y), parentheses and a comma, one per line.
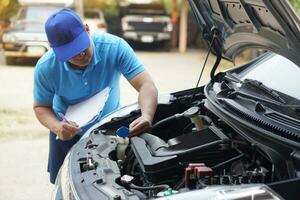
(122,131)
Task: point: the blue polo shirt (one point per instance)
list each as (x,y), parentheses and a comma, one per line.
(56,83)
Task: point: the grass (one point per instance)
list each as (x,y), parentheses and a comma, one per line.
(19,124)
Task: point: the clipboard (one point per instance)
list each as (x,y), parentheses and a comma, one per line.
(87,111)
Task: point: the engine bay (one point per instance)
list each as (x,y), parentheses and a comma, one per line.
(196,154)
(189,148)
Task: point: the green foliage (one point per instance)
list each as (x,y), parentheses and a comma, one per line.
(109,7)
(168,4)
(8,8)
(296,4)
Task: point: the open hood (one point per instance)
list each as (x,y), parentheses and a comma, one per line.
(241,24)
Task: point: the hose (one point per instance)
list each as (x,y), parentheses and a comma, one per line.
(166,120)
(155,187)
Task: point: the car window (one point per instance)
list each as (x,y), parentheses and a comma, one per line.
(31,13)
(28,20)
(278,73)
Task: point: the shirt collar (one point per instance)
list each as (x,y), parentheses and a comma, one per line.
(94,61)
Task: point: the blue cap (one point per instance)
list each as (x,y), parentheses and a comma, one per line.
(66,34)
(122,131)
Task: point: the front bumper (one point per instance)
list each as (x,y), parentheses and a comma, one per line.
(25,49)
(147,37)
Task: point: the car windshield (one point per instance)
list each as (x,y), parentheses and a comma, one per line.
(29,20)
(278,73)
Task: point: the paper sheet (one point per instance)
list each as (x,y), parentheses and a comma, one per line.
(87,111)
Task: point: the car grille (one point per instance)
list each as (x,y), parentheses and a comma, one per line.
(148,27)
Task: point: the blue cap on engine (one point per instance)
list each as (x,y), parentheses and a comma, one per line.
(122,131)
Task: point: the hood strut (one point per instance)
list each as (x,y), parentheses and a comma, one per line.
(216,45)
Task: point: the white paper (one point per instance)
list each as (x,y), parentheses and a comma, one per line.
(86,111)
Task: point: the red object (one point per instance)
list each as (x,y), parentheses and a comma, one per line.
(190,171)
(201,172)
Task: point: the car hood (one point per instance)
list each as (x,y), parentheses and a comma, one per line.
(241,24)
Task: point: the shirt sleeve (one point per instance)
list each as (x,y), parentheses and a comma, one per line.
(43,91)
(129,64)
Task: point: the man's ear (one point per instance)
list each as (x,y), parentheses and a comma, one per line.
(87,28)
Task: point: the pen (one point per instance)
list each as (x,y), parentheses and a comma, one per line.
(63,117)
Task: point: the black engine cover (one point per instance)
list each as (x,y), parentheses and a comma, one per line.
(160,160)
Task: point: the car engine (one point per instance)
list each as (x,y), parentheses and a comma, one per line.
(198,155)
(189,148)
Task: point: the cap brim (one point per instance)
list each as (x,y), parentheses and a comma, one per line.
(73,48)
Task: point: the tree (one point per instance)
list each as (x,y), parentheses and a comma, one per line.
(8,8)
(109,7)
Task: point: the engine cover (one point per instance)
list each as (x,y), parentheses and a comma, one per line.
(159,160)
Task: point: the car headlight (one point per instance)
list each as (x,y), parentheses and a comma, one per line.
(169,27)
(254,191)
(7,37)
(63,180)
(125,25)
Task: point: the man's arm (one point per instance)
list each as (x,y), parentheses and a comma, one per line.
(64,130)
(147,100)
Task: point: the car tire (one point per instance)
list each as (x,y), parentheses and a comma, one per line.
(10,60)
(165,45)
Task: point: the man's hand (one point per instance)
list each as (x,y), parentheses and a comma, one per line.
(147,101)
(64,130)
(138,126)
(67,130)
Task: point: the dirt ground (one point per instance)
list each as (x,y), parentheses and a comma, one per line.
(23,141)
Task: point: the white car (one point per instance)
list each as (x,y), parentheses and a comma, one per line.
(235,138)
(26,37)
(94,18)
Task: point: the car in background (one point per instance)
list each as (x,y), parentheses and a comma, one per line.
(26,37)
(235,138)
(145,22)
(95,19)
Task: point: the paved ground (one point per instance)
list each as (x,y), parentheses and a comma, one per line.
(23,156)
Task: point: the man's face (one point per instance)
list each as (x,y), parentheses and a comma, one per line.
(83,58)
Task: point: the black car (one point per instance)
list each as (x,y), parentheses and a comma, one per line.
(238,137)
(145,22)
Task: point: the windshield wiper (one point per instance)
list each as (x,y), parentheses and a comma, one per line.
(264,88)
(254,83)
(232,93)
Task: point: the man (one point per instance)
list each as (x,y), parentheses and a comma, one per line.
(77,67)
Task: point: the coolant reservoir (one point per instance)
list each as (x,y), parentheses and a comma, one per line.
(122,144)
(193,114)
